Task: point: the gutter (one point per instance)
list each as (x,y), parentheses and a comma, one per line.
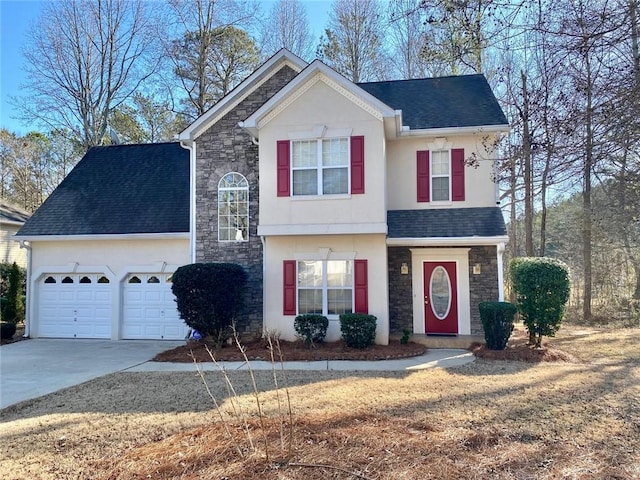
(440,241)
(110,236)
(442,132)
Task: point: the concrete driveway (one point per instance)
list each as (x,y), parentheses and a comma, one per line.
(31,368)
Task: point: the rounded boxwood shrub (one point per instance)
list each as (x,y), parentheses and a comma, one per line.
(210,296)
(497,321)
(7,330)
(311,328)
(358,329)
(542,290)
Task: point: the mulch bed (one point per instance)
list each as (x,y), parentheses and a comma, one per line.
(291,351)
(519,350)
(17,337)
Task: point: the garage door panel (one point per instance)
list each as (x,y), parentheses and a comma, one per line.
(74,309)
(150,309)
(153,296)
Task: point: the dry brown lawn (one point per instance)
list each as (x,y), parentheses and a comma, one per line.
(489,419)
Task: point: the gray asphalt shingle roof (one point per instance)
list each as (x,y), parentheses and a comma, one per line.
(458,101)
(119,189)
(12,213)
(446,223)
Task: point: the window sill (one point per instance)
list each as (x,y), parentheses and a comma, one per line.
(338,196)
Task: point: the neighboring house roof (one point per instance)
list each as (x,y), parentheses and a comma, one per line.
(442,102)
(446,223)
(12,214)
(120,189)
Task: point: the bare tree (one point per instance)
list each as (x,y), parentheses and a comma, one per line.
(84,58)
(202,34)
(353,40)
(287,26)
(407,39)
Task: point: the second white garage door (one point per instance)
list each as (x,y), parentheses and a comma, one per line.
(149,308)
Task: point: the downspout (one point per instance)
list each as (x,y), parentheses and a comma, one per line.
(264,283)
(191,146)
(500,273)
(27,314)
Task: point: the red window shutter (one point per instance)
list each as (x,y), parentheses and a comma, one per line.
(284,170)
(289,296)
(361,286)
(457,174)
(357,165)
(423,175)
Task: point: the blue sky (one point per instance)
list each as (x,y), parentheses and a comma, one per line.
(17,15)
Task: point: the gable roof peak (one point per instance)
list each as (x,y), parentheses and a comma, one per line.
(281,58)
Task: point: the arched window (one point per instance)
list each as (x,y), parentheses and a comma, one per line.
(233,208)
(153,279)
(50,280)
(134,279)
(85,280)
(67,280)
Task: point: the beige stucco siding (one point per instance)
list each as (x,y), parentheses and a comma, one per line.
(9,248)
(362,247)
(480,190)
(303,118)
(114,258)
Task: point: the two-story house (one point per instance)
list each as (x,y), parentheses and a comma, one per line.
(334,196)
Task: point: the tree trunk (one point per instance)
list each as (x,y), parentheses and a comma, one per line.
(526,159)
(586,196)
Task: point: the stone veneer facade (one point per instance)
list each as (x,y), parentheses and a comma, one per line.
(225,148)
(483,287)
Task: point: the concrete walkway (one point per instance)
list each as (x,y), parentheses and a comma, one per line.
(36,367)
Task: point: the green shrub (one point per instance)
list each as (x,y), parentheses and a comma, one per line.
(311,328)
(406,335)
(497,321)
(542,289)
(358,329)
(7,330)
(13,305)
(210,296)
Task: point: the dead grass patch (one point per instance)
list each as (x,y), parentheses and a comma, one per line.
(499,420)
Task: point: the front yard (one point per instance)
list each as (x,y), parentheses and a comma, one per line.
(489,419)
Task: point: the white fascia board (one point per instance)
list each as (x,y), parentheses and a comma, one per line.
(438,241)
(116,236)
(283,57)
(323,229)
(442,132)
(251,124)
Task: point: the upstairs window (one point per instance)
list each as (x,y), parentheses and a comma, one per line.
(233,208)
(440,176)
(320,167)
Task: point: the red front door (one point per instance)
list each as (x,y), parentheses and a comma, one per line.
(440,298)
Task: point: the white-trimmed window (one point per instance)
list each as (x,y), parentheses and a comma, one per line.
(233,208)
(440,176)
(325,287)
(320,167)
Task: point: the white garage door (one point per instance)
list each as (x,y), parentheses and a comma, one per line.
(150,309)
(75,306)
